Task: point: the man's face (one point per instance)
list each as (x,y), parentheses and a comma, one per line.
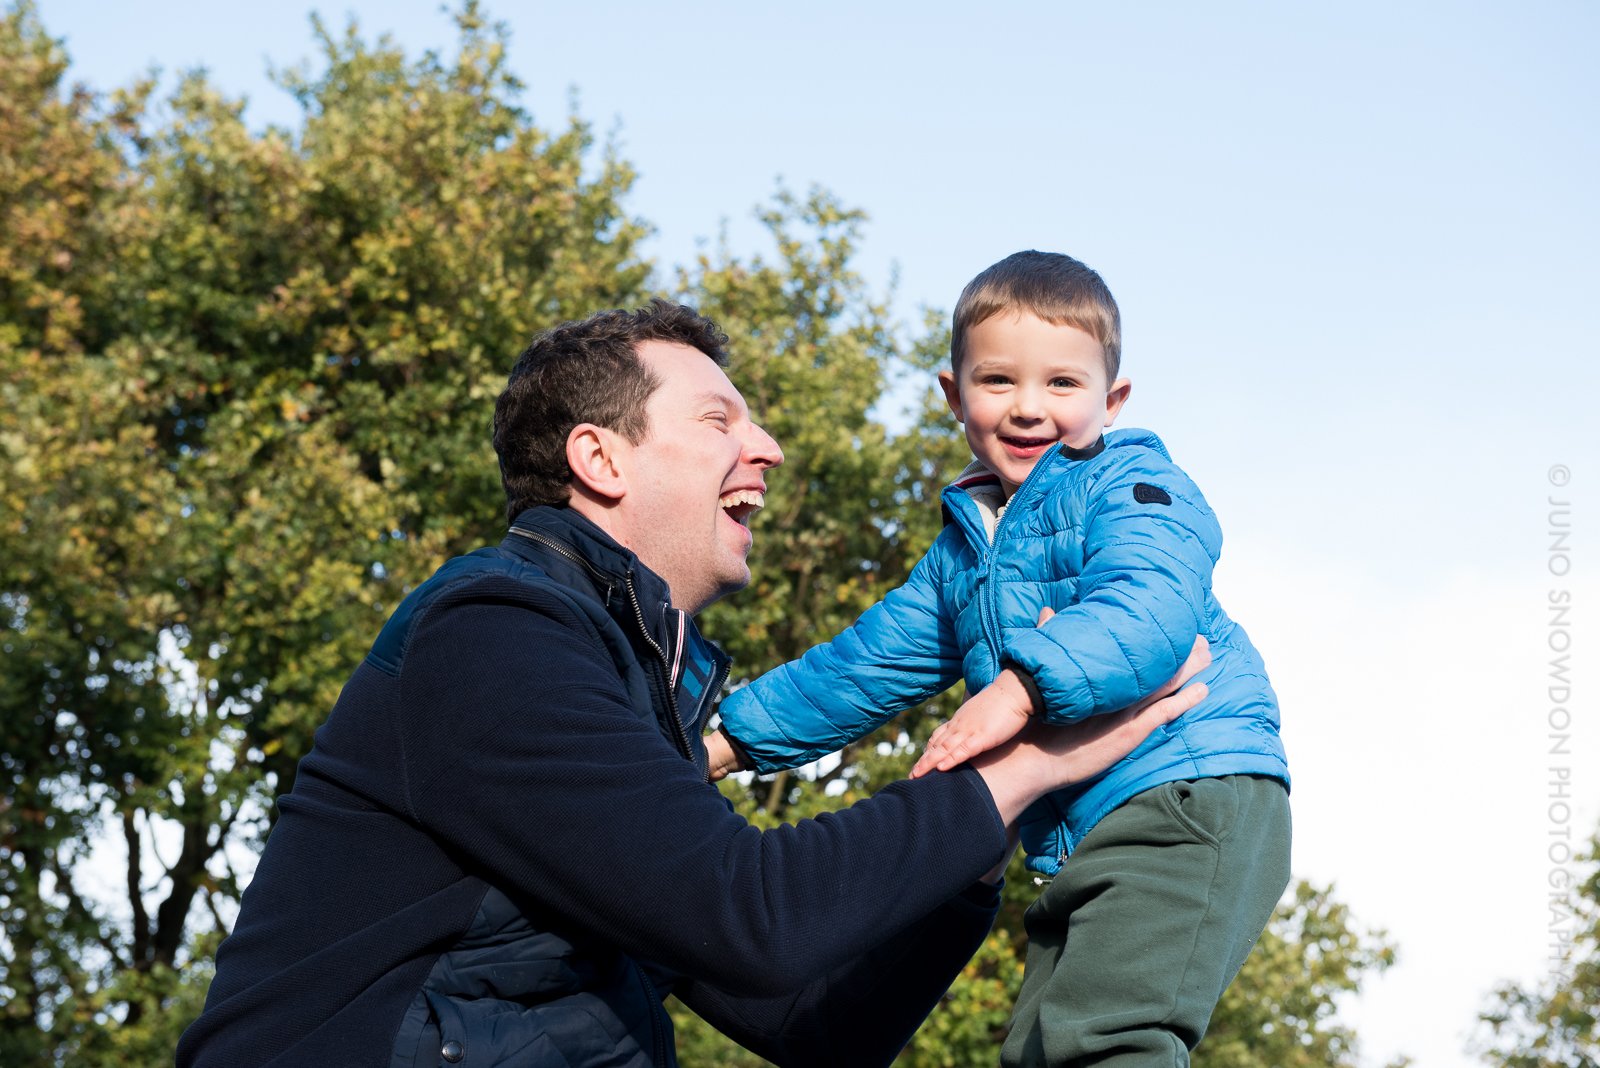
(1026,384)
(696,477)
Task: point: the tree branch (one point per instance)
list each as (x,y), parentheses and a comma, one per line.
(141,918)
(77,905)
(777,792)
(187,875)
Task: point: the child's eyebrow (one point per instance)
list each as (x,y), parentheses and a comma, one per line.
(989,365)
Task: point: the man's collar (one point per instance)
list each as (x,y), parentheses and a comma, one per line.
(599,551)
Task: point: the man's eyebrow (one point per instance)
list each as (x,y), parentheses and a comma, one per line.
(712,396)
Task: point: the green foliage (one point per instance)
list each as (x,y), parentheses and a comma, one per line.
(1555,1024)
(851,509)
(246,382)
(970,1026)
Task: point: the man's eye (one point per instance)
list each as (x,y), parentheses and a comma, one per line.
(720,419)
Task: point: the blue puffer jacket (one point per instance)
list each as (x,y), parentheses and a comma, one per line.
(1115,538)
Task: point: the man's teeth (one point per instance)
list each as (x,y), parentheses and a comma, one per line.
(753,498)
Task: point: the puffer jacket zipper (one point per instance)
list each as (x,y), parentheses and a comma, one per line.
(988,599)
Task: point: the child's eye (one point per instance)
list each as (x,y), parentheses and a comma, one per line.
(1062,383)
(995,380)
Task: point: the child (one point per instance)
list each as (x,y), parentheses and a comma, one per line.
(1180,852)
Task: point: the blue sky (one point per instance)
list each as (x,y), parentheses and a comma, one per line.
(1354,249)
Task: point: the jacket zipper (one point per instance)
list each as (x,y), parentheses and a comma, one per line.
(656,1009)
(681,736)
(987,598)
(567,553)
(718,679)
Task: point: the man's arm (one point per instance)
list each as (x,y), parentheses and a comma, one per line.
(863,1013)
(882,996)
(1019,772)
(563,794)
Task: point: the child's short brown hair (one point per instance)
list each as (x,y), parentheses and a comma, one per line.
(1056,288)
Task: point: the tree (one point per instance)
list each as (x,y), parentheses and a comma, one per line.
(64,625)
(247,380)
(1555,1024)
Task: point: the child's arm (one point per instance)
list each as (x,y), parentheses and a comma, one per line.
(991,721)
(1150,541)
(901,652)
(991,717)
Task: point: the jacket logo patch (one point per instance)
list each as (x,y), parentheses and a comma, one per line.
(1145,493)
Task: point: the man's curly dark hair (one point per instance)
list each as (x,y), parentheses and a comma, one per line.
(587,371)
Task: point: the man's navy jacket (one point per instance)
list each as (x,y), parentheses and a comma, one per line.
(501,850)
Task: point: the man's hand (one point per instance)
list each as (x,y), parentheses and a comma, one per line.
(994,716)
(1045,758)
(722,758)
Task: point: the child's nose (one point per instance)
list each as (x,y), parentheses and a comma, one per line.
(1025,404)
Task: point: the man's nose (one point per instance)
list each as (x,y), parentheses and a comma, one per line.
(761,448)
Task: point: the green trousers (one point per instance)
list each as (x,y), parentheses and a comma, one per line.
(1132,945)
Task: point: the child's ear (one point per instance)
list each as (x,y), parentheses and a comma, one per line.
(598,461)
(952,393)
(1116,397)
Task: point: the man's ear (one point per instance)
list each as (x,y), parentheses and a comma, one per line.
(1116,397)
(597,457)
(952,393)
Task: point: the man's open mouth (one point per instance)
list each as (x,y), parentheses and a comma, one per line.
(742,504)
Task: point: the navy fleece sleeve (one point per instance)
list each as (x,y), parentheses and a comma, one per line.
(522,751)
(864,1013)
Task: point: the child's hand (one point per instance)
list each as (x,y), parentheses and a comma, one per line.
(994,716)
(722,758)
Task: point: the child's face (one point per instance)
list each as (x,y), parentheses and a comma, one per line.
(1026,384)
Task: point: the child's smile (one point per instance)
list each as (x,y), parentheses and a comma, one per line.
(1026,384)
